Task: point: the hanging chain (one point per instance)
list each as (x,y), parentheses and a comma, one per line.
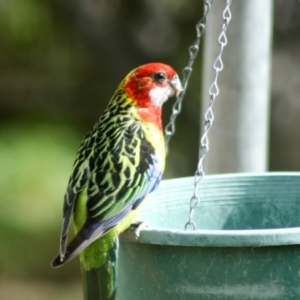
(186,72)
(209,116)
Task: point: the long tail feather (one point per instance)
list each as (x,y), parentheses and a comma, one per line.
(100,283)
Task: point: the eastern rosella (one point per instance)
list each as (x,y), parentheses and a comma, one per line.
(119,162)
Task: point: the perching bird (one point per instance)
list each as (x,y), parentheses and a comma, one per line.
(119,162)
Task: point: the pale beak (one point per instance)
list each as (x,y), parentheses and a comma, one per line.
(176,85)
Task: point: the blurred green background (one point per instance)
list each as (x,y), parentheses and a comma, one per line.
(60,61)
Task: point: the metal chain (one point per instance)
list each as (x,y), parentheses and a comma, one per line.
(209,116)
(186,72)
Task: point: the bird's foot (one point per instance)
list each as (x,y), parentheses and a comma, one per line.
(136,226)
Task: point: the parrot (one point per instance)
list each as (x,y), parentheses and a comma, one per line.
(119,162)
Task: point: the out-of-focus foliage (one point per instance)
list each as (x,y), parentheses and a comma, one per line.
(30,158)
(36,160)
(285,106)
(14,289)
(60,62)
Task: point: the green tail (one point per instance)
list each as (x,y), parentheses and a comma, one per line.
(100,282)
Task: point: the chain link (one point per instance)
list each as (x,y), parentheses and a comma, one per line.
(209,116)
(186,73)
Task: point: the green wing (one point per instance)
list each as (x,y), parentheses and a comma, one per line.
(115,169)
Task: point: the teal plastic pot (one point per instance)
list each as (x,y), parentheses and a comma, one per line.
(246,245)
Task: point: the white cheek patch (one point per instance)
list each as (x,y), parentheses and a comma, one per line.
(159,95)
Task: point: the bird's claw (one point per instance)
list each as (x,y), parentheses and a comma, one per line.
(137,226)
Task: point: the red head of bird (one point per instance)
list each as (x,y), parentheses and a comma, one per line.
(149,86)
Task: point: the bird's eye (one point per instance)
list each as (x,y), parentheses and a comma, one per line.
(159,77)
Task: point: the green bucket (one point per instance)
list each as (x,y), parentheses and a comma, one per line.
(245,245)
